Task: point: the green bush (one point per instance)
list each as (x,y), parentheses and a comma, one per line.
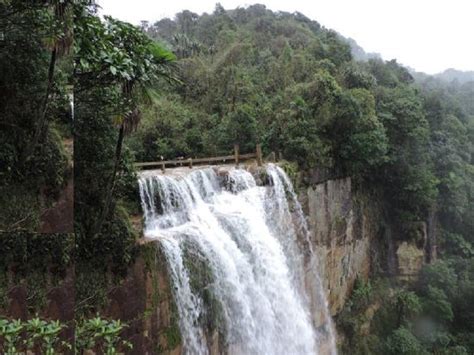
(34,335)
(403,342)
(49,163)
(101,335)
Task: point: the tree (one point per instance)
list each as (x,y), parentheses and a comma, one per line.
(60,41)
(407,176)
(407,305)
(359,140)
(121,56)
(403,342)
(240,127)
(439,275)
(34,73)
(437,304)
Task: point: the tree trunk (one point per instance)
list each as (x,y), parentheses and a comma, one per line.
(111,184)
(40,124)
(431,245)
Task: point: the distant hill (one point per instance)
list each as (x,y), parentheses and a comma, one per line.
(450,75)
(358,52)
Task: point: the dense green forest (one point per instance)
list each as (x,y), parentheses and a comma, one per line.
(254,76)
(196,85)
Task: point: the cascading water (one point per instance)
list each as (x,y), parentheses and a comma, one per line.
(240,260)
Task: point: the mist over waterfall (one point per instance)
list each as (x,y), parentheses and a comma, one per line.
(240,261)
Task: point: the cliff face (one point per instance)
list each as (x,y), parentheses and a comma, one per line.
(352,239)
(413,250)
(144,301)
(344,228)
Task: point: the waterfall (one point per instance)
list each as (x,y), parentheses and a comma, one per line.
(240,261)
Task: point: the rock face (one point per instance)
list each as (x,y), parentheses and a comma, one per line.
(343,230)
(412,250)
(410,259)
(144,301)
(351,239)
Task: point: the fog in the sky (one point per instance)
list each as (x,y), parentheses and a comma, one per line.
(427,35)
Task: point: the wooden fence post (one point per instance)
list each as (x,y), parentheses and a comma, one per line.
(236,154)
(273,157)
(190,163)
(259,155)
(162,164)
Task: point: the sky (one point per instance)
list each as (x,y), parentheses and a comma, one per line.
(427,35)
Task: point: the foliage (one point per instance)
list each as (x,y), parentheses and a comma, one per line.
(101,335)
(451,119)
(455,244)
(37,264)
(406,305)
(362,293)
(402,341)
(120,58)
(433,316)
(355,317)
(440,275)
(10,334)
(45,336)
(437,305)
(34,77)
(114,52)
(170,128)
(35,334)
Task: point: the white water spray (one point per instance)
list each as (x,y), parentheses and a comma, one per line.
(239,260)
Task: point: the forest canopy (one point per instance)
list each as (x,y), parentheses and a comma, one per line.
(252,76)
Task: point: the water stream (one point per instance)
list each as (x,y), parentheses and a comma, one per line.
(240,260)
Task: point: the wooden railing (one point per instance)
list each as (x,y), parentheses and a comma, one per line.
(226,159)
